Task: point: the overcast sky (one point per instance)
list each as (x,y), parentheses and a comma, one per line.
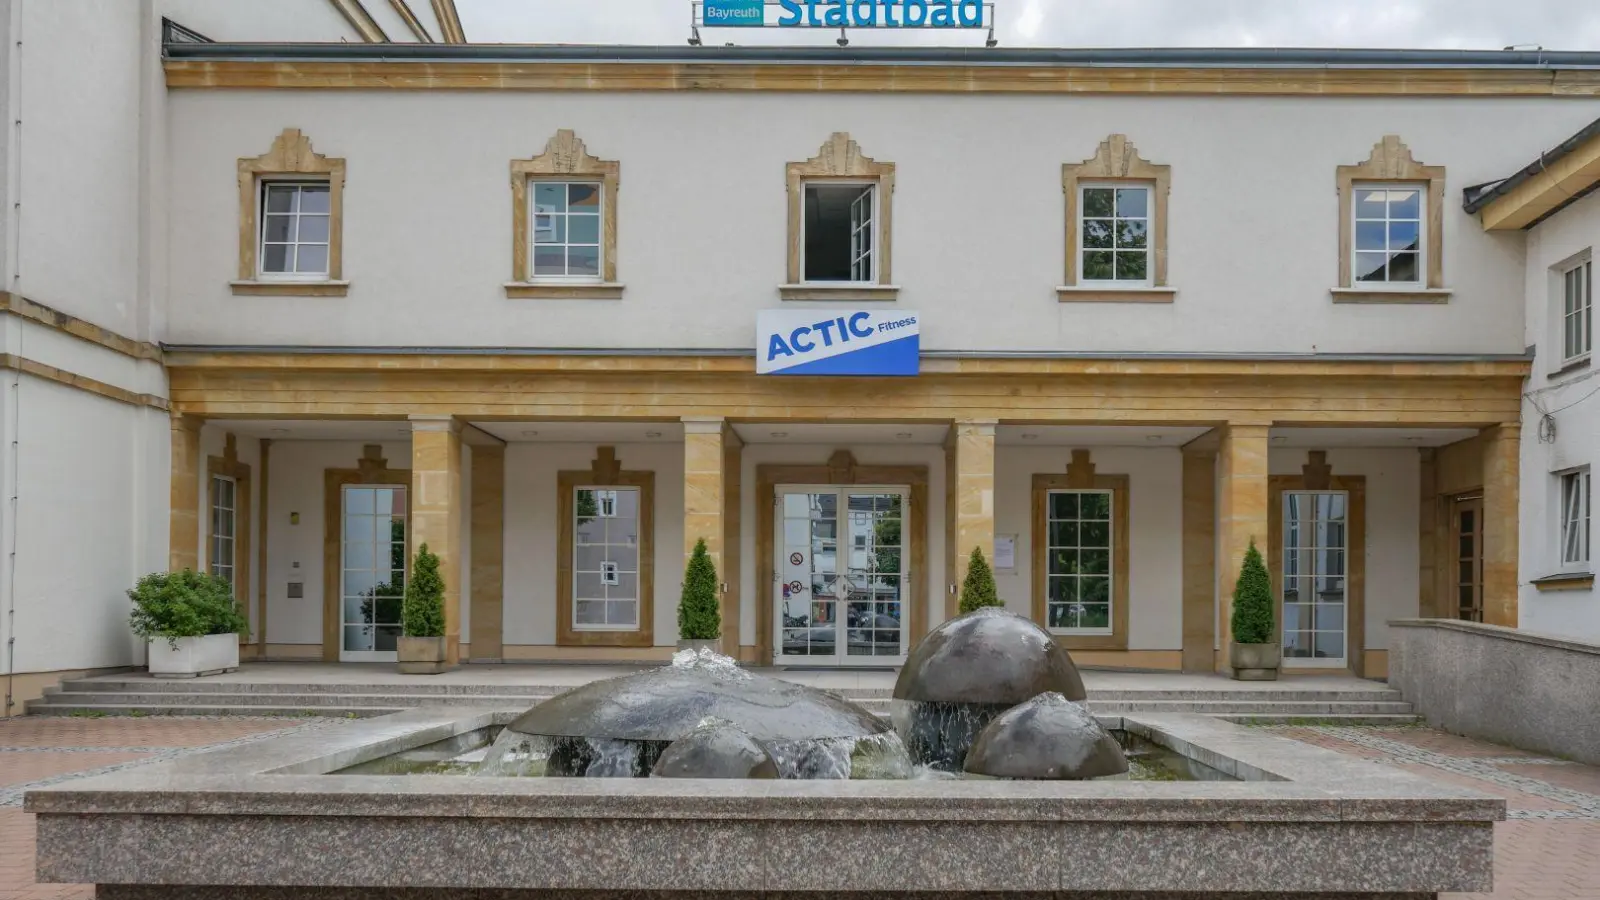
(1474,24)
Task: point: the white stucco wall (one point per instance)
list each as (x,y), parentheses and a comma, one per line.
(1155,532)
(1393,505)
(1572,399)
(531,533)
(1255,173)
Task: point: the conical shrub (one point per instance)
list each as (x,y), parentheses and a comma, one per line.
(977,589)
(1252,601)
(699,613)
(423,612)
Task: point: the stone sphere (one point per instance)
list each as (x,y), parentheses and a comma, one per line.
(1046,738)
(990,657)
(715,751)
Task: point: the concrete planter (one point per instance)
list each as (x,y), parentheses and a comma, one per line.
(194,656)
(715,646)
(1255,662)
(422,656)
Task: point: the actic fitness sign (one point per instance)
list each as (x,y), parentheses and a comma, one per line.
(813,342)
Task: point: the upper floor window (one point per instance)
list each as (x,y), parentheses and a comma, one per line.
(1577,316)
(567,217)
(291,210)
(1115,236)
(294,230)
(839,225)
(564,223)
(840,213)
(1389,221)
(1575,518)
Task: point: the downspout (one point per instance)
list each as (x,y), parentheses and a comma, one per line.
(13,276)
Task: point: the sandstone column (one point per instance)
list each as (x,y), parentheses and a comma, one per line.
(1199,558)
(488,548)
(1242,514)
(1501,446)
(711,460)
(436,511)
(971,511)
(183,547)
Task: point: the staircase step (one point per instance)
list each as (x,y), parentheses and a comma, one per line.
(392,701)
(1251,707)
(287,712)
(1342,719)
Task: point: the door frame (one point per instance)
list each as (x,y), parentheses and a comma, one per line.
(1453,504)
(843,659)
(1355,631)
(841,470)
(349,656)
(372,468)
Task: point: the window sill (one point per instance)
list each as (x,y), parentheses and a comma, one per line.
(838,292)
(1567,368)
(1373,295)
(290,288)
(1082,294)
(1571,581)
(523,290)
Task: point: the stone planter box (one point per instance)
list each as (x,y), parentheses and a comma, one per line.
(1255,662)
(194,656)
(422,656)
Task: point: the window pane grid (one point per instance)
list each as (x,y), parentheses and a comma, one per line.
(1578,311)
(1315,591)
(1388,235)
(568,221)
(861,237)
(223,519)
(1114,233)
(605,581)
(1078,554)
(373,565)
(295,224)
(1575,503)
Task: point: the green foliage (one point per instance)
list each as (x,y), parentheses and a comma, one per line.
(1252,601)
(977,589)
(423,612)
(699,612)
(184,604)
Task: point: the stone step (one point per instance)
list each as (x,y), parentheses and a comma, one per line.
(290,701)
(1248,707)
(1352,719)
(37,708)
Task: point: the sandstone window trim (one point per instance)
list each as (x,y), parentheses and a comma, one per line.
(605,471)
(840,161)
(1081,476)
(565,159)
(1116,161)
(1391,162)
(291,159)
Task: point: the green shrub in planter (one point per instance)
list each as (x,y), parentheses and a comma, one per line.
(184,604)
(1252,601)
(977,589)
(699,611)
(423,612)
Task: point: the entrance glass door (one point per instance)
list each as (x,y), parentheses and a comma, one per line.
(841,576)
(1315,589)
(1467,529)
(373,571)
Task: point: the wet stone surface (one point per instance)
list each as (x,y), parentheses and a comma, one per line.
(1046,738)
(715,751)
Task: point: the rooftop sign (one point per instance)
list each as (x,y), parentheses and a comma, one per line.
(822,342)
(845,13)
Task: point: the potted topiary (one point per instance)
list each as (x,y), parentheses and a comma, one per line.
(1254,655)
(699,609)
(977,589)
(190,621)
(422,648)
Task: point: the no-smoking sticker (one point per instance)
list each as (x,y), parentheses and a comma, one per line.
(796,559)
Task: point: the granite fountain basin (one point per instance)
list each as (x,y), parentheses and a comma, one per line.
(286,818)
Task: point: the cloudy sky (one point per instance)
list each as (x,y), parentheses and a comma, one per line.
(1474,24)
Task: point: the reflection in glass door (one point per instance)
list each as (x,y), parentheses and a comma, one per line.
(1315,587)
(1468,532)
(373,576)
(841,576)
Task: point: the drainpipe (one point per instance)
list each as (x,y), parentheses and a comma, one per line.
(13,275)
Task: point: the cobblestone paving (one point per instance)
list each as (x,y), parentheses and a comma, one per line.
(1549,847)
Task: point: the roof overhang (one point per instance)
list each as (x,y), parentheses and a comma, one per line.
(1545,188)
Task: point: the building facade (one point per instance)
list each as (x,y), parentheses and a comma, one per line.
(286,312)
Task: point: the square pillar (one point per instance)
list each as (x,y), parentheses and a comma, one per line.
(1199,558)
(711,462)
(436,511)
(183,547)
(488,547)
(1242,516)
(1501,449)
(969,509)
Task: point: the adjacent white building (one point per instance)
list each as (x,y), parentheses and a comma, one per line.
(291,290)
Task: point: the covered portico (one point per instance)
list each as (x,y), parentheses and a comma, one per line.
(1115,499)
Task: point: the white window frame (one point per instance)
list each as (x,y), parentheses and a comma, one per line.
(1584,312)
(1111,562)
(263,185)
(609,571)
(1421,281)
(871,255)
(232,537)
(1112,283)
(1574,504)
(533,230)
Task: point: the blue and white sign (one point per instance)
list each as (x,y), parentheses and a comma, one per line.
(824,342)
(735,13)
(846,13)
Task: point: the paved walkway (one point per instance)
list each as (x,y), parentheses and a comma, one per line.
(1548,850)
